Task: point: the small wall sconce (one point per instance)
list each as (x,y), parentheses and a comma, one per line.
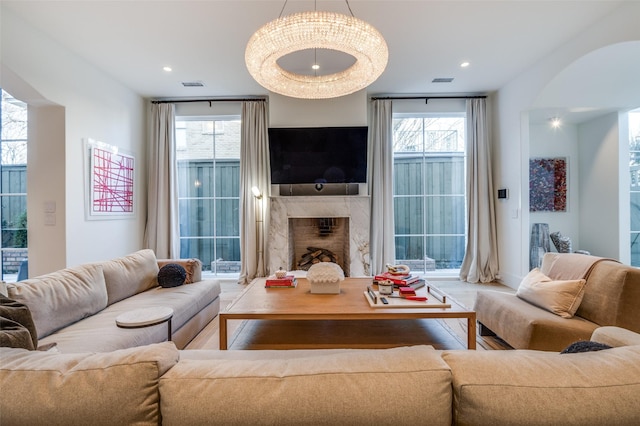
(555,122)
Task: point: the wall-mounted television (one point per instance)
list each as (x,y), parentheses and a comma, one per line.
(318,155)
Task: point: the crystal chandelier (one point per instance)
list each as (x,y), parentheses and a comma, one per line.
(316,30)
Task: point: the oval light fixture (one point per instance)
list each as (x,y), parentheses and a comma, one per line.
(316,30)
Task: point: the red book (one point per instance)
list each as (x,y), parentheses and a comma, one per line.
(396,279)
(288,281)
(406,291)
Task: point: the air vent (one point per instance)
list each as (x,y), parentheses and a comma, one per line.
(193,84)
(442,80)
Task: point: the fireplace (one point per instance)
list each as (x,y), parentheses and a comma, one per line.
(339,224)
(322,239)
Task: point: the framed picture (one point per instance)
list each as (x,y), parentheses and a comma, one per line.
(548,184)
(111,182)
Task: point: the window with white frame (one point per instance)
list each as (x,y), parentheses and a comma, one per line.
(208,157)
(429,190)
(634,190)
(13,184)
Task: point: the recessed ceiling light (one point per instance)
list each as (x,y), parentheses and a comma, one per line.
(167,69)
(555,122)
(464,64)
(315,66)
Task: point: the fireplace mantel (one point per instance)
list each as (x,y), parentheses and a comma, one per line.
(356,208)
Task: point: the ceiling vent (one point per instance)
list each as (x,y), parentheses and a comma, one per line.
(193,84)
(442,80)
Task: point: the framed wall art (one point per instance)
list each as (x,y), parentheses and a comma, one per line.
(111,182)
(548,184)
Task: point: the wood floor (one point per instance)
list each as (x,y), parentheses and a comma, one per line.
(442,334)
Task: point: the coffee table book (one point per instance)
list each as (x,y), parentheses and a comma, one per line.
(287,282)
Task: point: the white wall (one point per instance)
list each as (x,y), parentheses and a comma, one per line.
(350,110)
(599,188)
(46,229)
(91,105)
(512,137)
(561,142)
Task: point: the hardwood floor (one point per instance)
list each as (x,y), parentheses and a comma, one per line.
(442,334)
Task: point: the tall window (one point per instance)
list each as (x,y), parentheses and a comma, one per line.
(208,156)
(634,169)
(429,191)
(13,184)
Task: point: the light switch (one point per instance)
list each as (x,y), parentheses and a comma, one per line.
(49,206)
(50,219)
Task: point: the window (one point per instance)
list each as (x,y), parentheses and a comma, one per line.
(13,184)
(208,156)
(634,169)
(429,190)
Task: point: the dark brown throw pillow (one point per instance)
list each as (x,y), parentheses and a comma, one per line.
(584,346)
(17,328)
(171,275)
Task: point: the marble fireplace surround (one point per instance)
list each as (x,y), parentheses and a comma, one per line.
(354,207)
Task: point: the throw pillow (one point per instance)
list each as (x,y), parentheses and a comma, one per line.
(561,297)
(171,275)
(584,346)
(17,327)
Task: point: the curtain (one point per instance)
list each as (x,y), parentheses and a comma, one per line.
(254,172)
(382,243)
(480,263)
(162,225)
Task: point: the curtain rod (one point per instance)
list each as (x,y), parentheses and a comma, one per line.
(180,101)
(426,98)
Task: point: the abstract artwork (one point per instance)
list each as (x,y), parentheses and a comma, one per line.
(112,182)
(548,184)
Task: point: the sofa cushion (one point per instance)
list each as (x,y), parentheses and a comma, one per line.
(382,386)
(99,333)
(18,329)
(612,296)
(562,297)
(534,388)
(615,336)
(62,297)
(525,326)
(129,275)
(115,388)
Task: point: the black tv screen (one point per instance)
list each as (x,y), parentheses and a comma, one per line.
(318,155)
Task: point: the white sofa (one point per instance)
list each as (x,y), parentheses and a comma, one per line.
(157,384)
(76,308)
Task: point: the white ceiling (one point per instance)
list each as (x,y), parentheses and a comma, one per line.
(205,40)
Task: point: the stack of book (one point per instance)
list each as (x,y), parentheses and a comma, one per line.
(288,281)
(412,281)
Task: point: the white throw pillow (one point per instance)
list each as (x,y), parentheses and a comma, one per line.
(562,297)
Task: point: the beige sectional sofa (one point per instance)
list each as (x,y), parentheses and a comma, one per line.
(611,297)
(158,384)
(76,308)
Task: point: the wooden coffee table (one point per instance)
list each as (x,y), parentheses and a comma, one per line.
(259,303)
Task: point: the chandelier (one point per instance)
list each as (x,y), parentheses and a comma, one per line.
(316,30)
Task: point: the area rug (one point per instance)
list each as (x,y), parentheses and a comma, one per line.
(276,334)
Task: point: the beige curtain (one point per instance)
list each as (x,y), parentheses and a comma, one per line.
(254,171)
(162,225)
(480,264)
(382,243)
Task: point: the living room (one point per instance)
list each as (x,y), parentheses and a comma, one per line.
(91,103)
(586,71)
